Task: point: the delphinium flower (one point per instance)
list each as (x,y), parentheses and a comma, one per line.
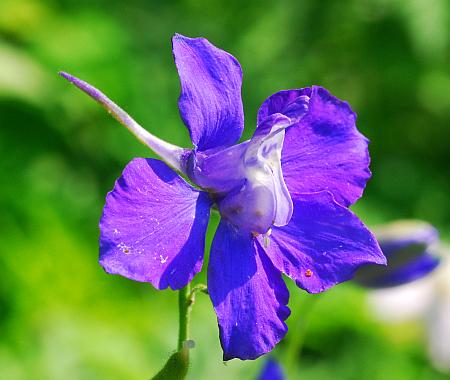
(410,248)
(283,198)
(272,370)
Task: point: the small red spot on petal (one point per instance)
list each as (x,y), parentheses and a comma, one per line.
(308,273)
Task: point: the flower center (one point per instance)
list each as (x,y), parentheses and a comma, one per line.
(252,207)
(247,179)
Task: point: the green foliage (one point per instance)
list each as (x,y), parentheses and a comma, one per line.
(60,315)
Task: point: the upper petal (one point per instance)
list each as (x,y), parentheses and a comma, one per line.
(153,226)
(324,151)
(210,101)
(323,244)
(248,294)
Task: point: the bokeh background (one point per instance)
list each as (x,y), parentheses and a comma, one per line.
(61,316)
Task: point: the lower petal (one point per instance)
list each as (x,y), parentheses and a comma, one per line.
(248,294)
(153,226)
(323,244)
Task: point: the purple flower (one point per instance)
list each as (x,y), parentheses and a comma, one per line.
(272,370)
(409,247)
(283,197)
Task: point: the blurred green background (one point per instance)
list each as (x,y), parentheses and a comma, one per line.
(61,316)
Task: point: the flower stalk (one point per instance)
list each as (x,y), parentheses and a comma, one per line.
(186,299)
(177,366)
(184,308)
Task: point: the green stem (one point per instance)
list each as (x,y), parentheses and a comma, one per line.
(184,307)
(177,366)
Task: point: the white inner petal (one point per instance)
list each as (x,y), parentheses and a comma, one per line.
(263,167)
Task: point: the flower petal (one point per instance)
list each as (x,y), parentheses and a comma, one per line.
(409,248)
(323,244)
(413,270)
(268,141)
(210,101)
(248,294)
(219,171)
(401,234)
(153,226)
(292,103)
(324,151)
(272,370)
